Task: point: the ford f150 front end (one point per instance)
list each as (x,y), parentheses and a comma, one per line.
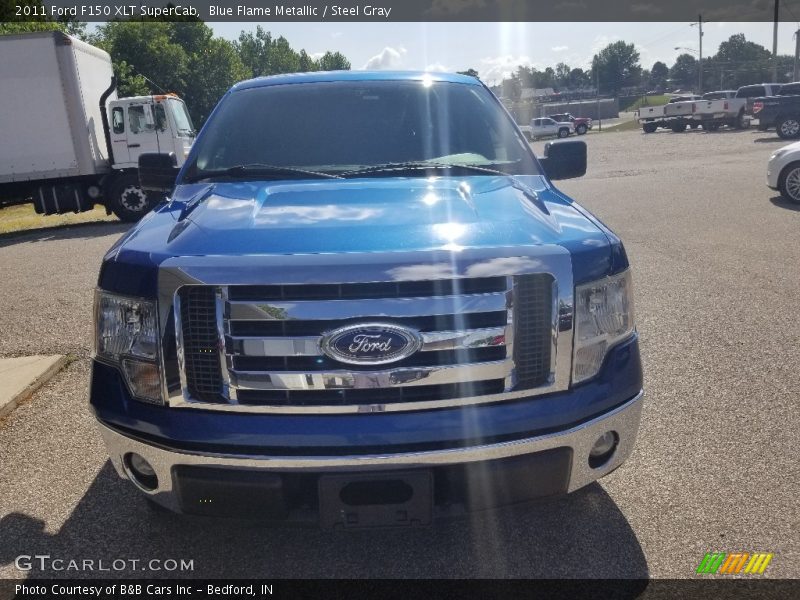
(365,304)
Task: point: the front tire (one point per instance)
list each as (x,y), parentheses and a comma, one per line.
(581,129)
(788,128)
(789,182)
(563,132)
(129,201)
(679,127)
(649,127)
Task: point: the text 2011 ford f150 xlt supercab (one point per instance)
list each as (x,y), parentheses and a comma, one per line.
(364,304)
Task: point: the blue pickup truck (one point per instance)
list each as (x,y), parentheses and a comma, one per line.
(364,304)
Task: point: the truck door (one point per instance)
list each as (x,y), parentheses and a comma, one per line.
(119,136)
(147,128)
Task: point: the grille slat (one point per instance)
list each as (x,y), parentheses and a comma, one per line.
(381,289)
(370,396)
(423,323)
(323,363)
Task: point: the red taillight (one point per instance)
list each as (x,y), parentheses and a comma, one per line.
(757,107)
(726,105)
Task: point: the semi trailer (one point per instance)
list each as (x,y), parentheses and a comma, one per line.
(67,143)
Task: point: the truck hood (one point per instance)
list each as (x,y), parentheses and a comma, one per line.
(363,215)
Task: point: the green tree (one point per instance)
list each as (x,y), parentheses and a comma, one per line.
(336,61)
(10,23)
(307,63)
(740,62)
(182,57)
(578,78)
(149,50)
(562,75)
(618,65)
(683,73)
(736,49)
(659,73)
(254,51)
(214,70)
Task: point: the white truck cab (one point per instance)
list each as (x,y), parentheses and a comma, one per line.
(141,124)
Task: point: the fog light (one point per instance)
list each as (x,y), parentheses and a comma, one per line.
(603,449)
(141,472)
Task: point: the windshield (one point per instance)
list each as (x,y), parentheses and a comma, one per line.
(182,120)
(337,127)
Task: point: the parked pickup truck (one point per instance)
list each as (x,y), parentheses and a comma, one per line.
(581,124)
(547,127)
(396,319)
(781,112)
(750,92)
(710,112)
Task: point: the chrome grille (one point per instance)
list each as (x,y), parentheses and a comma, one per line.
(481,337)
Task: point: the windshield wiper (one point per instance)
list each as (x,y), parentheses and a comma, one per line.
(422,166)
(260,170)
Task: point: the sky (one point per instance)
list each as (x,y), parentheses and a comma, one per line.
(496,49)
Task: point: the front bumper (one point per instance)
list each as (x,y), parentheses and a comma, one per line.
(560,457)
(774,168)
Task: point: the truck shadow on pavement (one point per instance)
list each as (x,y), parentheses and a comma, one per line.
(64,232)
(583,535)
(782,202)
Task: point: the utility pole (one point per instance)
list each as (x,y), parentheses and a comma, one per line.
(796,53)
(700,54)
(599,120)
(775,44)
(700,61)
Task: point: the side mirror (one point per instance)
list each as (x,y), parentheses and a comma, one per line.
(157,172)
(564,160)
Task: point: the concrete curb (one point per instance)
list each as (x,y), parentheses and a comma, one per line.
(11,395)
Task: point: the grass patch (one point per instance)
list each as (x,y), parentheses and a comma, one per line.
(632,125)
(23,218)
(647,101)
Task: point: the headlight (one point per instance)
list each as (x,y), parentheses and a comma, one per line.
(603,317)
(126,335)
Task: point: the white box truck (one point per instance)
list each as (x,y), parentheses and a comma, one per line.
(66,141)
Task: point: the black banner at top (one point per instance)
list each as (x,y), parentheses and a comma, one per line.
(400,10)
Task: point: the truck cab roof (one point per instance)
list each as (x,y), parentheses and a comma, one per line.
(324,76)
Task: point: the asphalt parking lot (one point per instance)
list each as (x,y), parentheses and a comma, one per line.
(716,260)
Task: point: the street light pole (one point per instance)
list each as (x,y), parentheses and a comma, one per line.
(775,44)
(699,54)
(700,61)
(796,53)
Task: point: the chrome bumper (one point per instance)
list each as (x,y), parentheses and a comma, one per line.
(623,419)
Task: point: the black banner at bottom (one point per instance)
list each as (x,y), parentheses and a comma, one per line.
(400,589)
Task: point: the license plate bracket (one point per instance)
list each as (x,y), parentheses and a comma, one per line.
(371,500)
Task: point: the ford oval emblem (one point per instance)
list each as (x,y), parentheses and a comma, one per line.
(371,343)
